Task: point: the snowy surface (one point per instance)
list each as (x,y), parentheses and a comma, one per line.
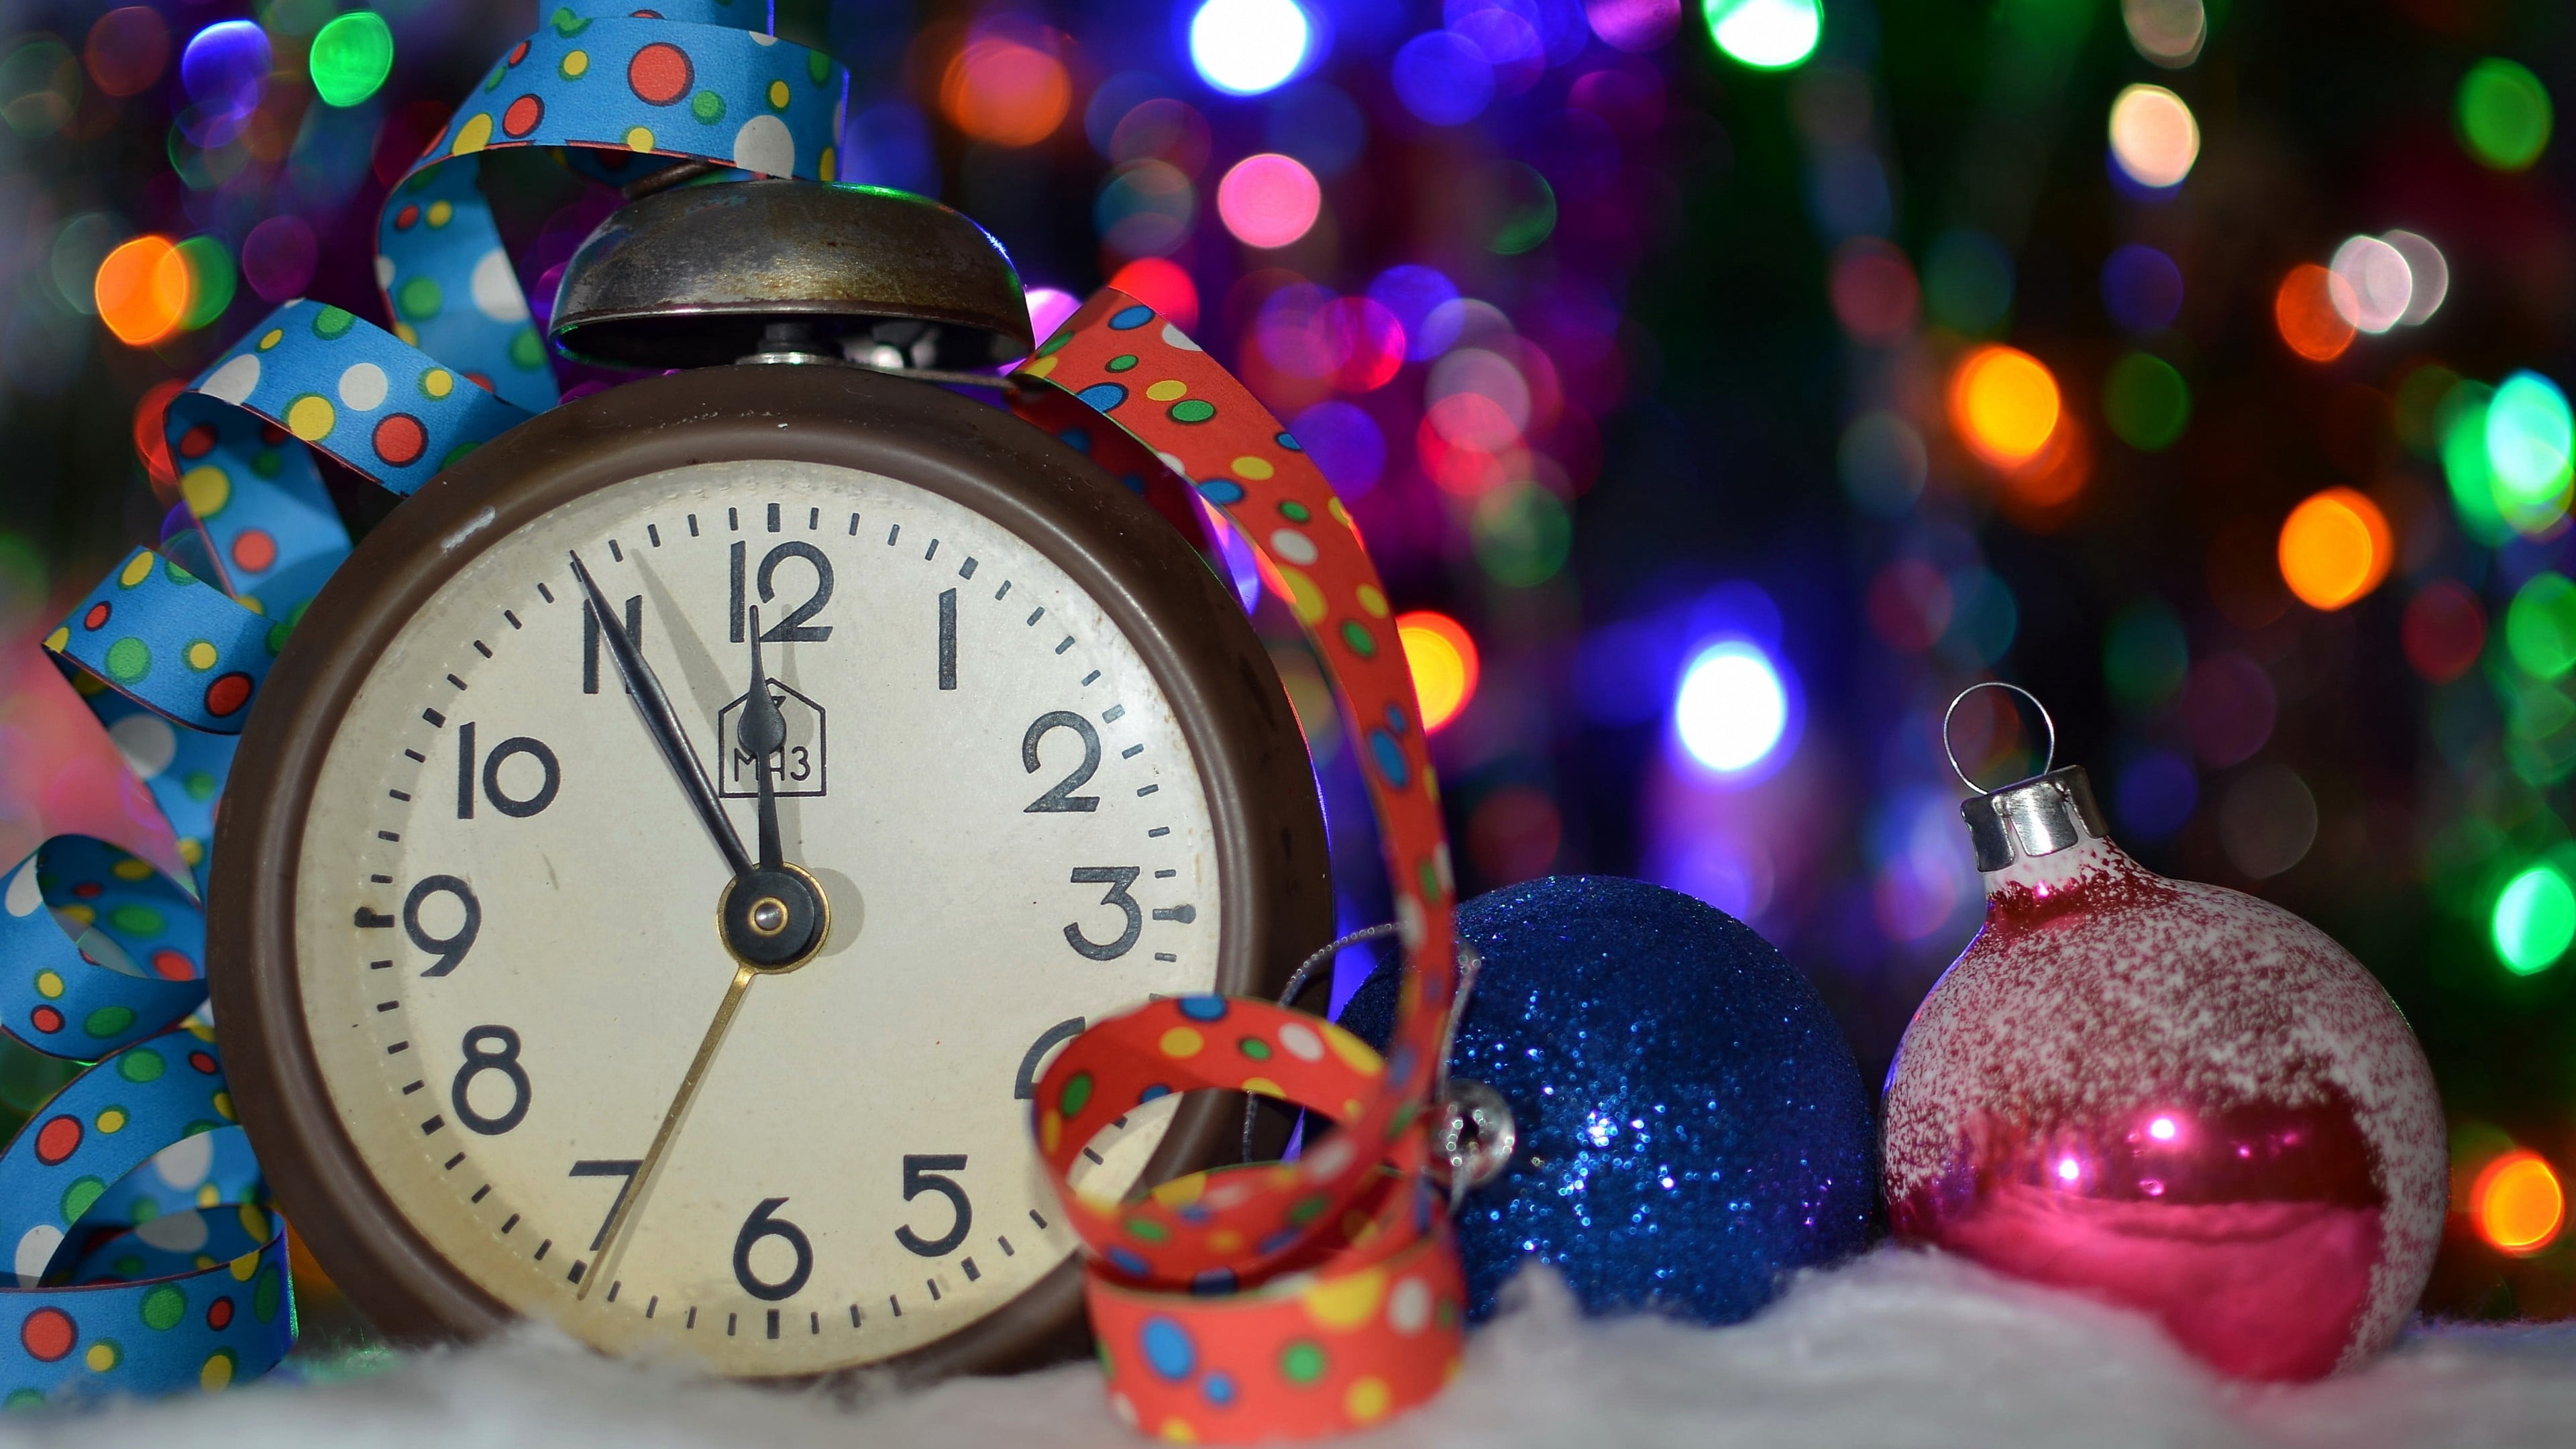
(1900,1349)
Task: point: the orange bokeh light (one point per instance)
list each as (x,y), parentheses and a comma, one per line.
(142,290)
(2004,403)
(1005,91)
(2518,1204)
(2305,310)
(1444,664)
(2335,547)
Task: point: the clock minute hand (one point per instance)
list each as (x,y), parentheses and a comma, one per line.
(663,724)
(761,733)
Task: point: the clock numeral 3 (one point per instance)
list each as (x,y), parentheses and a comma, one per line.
(590,639)
(448,949)
(516,807)
(927,1174)
(1062,798)
(1118,878)
(792,629)
(761,1225)
(480,1058)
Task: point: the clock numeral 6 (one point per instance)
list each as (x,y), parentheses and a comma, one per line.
(1118,878)
(1061,798)
(792,629)
(481,1057)
(927,1174)
(517,807)
(761,1225)
(448,949)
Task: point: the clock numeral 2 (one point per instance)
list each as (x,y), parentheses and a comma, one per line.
(1061,798)
(519,808)
(792,629)
(479,1059)
(1118,878)
(761,1225)
(927,1174)
(590,639)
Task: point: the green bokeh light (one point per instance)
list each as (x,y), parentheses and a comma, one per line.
(351,58)
(2534,920)
(1968,282)
(2145,656)
(2529,438)
(2146,402)
(211,280)
(2461,425)
(2503,114)
(1522,534)
(2540,626)
(1765,34)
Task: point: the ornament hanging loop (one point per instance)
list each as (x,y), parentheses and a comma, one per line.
(2047,763)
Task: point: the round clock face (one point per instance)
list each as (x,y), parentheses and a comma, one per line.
(505,912)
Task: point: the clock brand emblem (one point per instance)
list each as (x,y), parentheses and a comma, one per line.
(796,767)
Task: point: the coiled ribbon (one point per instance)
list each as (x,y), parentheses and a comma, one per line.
(1276,1301)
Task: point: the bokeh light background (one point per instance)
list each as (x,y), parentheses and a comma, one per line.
(1721,387)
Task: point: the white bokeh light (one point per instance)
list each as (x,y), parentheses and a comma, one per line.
(1731,709)
(1248,47)
(2432,275)
(2153,136)
(2378,285)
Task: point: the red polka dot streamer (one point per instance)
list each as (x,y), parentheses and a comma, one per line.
(1298,1299)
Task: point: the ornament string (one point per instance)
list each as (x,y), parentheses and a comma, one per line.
(178,1279)
(1287,1300)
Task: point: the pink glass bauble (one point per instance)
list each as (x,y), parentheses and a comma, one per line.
(2169,1096)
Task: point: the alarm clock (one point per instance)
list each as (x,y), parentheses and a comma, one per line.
(666,853)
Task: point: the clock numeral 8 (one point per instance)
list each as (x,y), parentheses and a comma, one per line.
(927,1174)
(761,1225)
(479,1059)
(516,807)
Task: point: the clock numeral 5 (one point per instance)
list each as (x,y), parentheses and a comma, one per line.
(1118,878)
(761,1225)
(1061,798)
(516,807)
(792,629)
(928,1174)
(481,1058)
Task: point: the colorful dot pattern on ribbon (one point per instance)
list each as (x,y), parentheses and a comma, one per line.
(1215,1297)
(97,949)
(184,769)
(164,638)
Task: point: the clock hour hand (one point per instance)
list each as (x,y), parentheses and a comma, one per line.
(761,734)
(663,723)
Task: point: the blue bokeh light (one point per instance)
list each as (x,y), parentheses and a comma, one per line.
(1443,78)
(1413,294)
(1345,442)
(1732,709)
(1248,47)
(2141,288)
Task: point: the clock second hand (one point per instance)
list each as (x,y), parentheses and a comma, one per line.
(634,1197)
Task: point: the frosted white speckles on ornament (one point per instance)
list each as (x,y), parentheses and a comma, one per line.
(764,145)
(174,1232)
(35,1251)
(362,386)
(148,744)
(24,894)
(1173,336)
(496,289)
(184,1163)
(233,381)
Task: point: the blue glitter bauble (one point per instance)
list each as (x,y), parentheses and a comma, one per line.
(1692,1125)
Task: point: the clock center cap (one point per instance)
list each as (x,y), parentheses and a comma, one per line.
(774,920)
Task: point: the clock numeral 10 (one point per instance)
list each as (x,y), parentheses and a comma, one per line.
(516,807)
(928,1173)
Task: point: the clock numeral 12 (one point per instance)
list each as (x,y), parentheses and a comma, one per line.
(791,629)
(516,807)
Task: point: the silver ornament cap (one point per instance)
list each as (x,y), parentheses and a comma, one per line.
(2051,811)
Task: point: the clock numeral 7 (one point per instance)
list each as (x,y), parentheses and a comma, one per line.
(550,777)
(928,1173)
(623,1167)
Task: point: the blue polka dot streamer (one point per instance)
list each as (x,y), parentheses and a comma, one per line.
(145,1258)
(1692,1125)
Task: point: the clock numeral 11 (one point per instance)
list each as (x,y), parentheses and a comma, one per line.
(590,639)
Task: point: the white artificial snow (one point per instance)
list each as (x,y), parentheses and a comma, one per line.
(1900,1349)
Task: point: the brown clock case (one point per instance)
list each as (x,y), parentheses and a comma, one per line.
(1274,877)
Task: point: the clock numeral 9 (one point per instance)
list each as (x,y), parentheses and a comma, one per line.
(1118,878)
(927,1174)
(481,1058)
(1061,798)
(761,1225)
(448,949)
(520,807)
(792,629)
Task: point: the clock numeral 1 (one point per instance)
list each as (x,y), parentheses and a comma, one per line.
(928,1174)
(516,807)
(590,638)
(481,1058)
(948,638)
(761,1225)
